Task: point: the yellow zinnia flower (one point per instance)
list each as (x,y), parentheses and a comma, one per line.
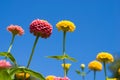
(112,79)
(50,77)
(67,66)
(95,65)
(105,57)
(21,75)
(65,25)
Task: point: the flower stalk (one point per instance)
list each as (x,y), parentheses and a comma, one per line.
(104,64)
(33,49)
(64,39)
(11,43)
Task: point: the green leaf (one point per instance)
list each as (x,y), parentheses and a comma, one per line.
(78,72)
(4,75)
(70,58)
(57,57)
(8,55)
(61,57)
(23,69)
(35,74)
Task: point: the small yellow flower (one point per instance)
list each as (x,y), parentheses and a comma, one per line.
(21,75)
(65,25)
(67,66)
(95,65)
(50,77)
(105,57)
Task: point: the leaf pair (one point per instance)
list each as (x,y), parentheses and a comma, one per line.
(61,57)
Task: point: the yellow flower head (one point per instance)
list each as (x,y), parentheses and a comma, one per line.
(112,79)
(105,57)
(67,66)
(119,71)
(95,65)
(65,25)
(50,77)
(21,75)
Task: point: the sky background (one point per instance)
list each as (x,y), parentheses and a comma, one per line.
(97,29)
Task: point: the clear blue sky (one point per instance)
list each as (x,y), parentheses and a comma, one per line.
(97,29)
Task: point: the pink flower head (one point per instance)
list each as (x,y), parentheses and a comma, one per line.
(4,64)
(57,78)
(41,28)
(65,78)
(15,29)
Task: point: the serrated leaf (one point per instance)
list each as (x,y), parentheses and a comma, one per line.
(8,55)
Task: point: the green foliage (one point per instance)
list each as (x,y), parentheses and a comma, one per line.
(13,71)
(8,55)
(61,57)
(113,67)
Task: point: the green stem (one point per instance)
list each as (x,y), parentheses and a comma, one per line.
(64,39)
(104,64)
(11,43)
(36,40)
(94,74)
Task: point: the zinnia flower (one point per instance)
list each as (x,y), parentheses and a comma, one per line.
(41,28)
(15,29)
(67,66)
(50,77)
(105,57)
(21,75)
(65,78)
(95,65)
(65,25)
(4,64)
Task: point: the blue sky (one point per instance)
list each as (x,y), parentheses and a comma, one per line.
(97,29)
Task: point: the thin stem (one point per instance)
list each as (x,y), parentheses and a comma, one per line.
(64,39)
(36,40)
(11,43)
(104,64)
(94,74)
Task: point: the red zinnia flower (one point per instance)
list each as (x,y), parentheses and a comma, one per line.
(41,28)
(15,29)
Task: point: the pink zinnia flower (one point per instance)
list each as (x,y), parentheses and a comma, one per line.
(4,64)
(15,29)
(65,78)
(57,78)
(41,28)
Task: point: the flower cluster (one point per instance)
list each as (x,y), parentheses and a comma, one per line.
(65,25)
(105,57)
(51,77)
(95,65)
(41,28)
(15,29)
